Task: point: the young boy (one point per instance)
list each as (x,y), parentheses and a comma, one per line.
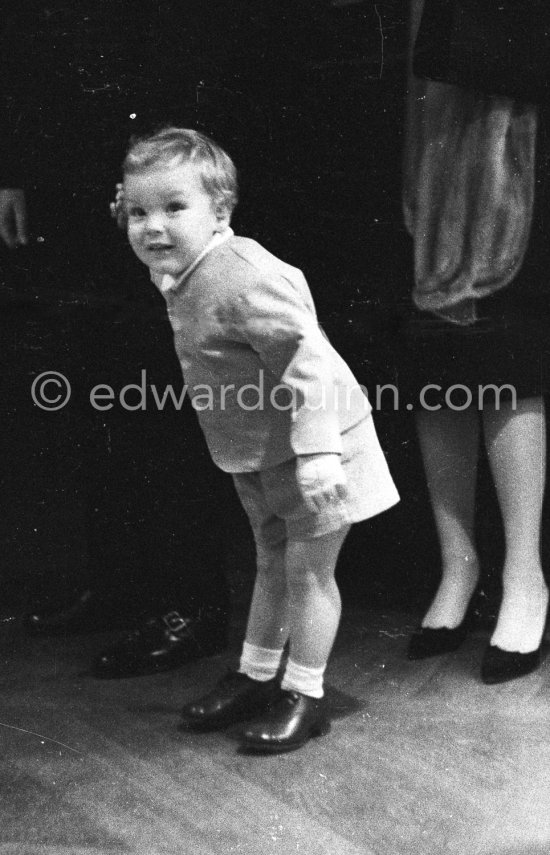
(281,412)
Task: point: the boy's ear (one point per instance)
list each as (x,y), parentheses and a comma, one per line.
(223,215)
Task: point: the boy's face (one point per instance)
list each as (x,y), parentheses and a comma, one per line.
(171,217)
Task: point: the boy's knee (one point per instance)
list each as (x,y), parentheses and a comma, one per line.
(300,579)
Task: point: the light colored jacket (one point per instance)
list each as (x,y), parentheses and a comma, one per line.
(245,326)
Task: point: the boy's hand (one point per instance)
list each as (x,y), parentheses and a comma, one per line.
(117,207)
(321,480)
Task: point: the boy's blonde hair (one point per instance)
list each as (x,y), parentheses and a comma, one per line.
(217,171)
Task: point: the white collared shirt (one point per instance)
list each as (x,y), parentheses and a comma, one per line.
(165,282)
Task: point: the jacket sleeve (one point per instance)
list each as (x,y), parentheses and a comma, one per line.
(277,324)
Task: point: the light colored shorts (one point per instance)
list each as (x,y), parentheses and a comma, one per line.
(277,511)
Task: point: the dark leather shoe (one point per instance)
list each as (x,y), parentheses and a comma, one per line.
(499,665)
(235,698)
(425,641)
(162,643)
(292,720)
(87,613)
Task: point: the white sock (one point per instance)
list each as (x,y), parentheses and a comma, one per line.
(259,663)
(300,678)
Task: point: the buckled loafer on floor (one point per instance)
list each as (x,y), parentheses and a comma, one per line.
(235,698)
(162,643)
(292,720)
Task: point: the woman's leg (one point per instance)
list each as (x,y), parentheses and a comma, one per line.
(449,441)
(516,446)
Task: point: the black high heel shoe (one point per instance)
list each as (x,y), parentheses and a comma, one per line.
(426,642)
(499,665)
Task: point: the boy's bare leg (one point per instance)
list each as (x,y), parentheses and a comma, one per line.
(239,696)
(267,625)
(315,604)
(314,614)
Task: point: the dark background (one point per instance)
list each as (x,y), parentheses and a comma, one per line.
(312,113)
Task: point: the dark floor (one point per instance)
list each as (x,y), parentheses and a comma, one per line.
(422,758)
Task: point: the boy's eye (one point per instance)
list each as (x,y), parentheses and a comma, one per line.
(135,211)
(173,207)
